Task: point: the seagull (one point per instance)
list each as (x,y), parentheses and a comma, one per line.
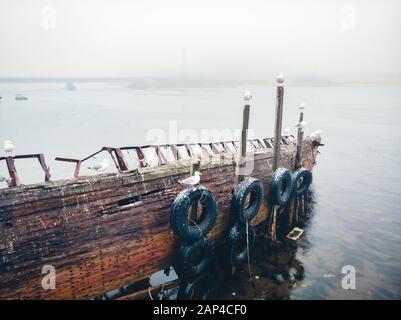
(193,180)
(100,166)
(301,124)
(280,78)
(316,135)
(316,138)
(8,146)
(4,179)
(247,96)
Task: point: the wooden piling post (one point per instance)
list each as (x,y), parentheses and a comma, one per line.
(301,214)
(278,120)
(297,165)
(300,139)
(273,223)
(241,159)
(45,168)
(12,171)
(276,148)
(195,166)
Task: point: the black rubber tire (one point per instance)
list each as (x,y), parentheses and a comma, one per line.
(179,213)
(306,176)
(201,288)
(202,249)
(281,187)
(249,186)
(238,245)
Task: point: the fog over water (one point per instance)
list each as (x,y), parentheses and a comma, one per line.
(208,39)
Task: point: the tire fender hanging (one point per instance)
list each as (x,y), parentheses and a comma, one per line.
(238,243)
(246,211)
(201,288)
(306,176)
(179,221)
(281,187)
(194,258)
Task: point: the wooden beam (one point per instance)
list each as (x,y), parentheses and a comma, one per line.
(278,120)
(12,170)
(276,149)
(195,166)
(151,292)
(300,138)
(297,164)
(241,162)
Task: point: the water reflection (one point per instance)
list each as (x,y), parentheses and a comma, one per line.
(275,270)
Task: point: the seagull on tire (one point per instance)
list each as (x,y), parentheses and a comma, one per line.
(192,181)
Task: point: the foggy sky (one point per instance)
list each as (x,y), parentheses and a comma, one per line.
(204,38)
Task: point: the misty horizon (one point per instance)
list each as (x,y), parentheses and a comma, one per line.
(175,82)
(229,40)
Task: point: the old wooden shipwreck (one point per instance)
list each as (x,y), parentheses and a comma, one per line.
(106,231)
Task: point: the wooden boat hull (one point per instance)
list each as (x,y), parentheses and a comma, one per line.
(103,232)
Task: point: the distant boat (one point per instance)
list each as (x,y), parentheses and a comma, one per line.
(70,86)
(19,96)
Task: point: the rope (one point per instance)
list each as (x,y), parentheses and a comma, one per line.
(194,222)
(270,222)
(162,292)
(203,193)
(247,248)
(150,294)
(273,223)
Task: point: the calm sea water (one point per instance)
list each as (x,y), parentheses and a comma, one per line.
(356,218)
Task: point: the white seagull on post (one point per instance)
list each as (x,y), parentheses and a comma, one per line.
(193,180)
(8,146)
(316,138)
(301,125)
(316,135)
(100,166)
(280,78)
(247,96)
